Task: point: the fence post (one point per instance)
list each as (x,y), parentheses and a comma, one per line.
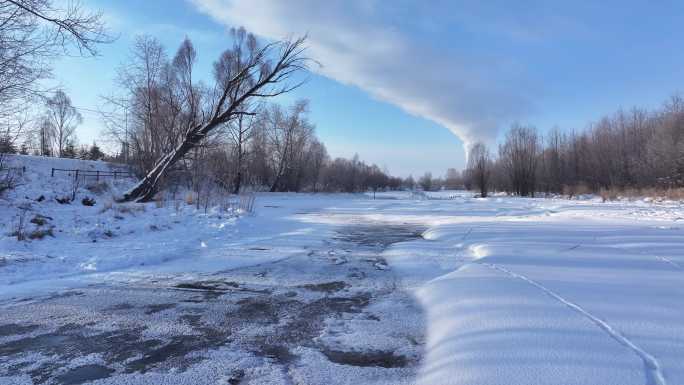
(76,176)
(97,176)
(52,174)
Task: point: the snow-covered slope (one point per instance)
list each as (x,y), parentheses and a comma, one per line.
(110,240)
(66,242)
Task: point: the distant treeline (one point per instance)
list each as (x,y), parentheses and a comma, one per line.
(633,149)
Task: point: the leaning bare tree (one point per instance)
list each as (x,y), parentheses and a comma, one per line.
(243,73)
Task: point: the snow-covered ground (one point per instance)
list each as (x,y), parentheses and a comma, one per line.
(74,242)
(342,289)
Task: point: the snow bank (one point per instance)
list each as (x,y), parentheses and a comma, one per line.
(525,291)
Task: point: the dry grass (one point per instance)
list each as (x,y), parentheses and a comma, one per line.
(107,206)
(160,200)
(130,208)
(658,194)
(190,198)
(40,220)
(609,194)
(575,190)
(40,233)
(20,228)
(675,194)
(98,188)
(629,193)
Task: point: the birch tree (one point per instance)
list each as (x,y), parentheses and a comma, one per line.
(63,118)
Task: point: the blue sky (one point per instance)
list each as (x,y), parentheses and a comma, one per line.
(406,83)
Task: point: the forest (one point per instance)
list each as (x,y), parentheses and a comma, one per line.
(635,151)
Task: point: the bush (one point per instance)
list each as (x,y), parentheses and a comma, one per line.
(574,190)
(41,233)
(87,201)
(610,194)
(40,220)
(7,145)
(65,200)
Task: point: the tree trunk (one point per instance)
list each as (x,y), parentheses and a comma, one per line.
(237,182)
(238,176)
(274,186)
(145,189)
(279,176)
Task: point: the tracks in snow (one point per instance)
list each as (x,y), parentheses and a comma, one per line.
(654,375)
(669,262)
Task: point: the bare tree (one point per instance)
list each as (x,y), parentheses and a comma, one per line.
(240,134)
(316,160)
(45,134)
(425,181)
(519,156)
(62,118)
(17,126)
(8,177)
(259,155)
(190,92)
(376,179)
(146,113)
(288,133)
(551,170)
(32,33)
(409,183)
(453,179)
(479,167)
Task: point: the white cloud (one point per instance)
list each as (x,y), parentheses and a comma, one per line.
(380,47)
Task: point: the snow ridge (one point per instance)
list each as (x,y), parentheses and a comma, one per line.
(654,375)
